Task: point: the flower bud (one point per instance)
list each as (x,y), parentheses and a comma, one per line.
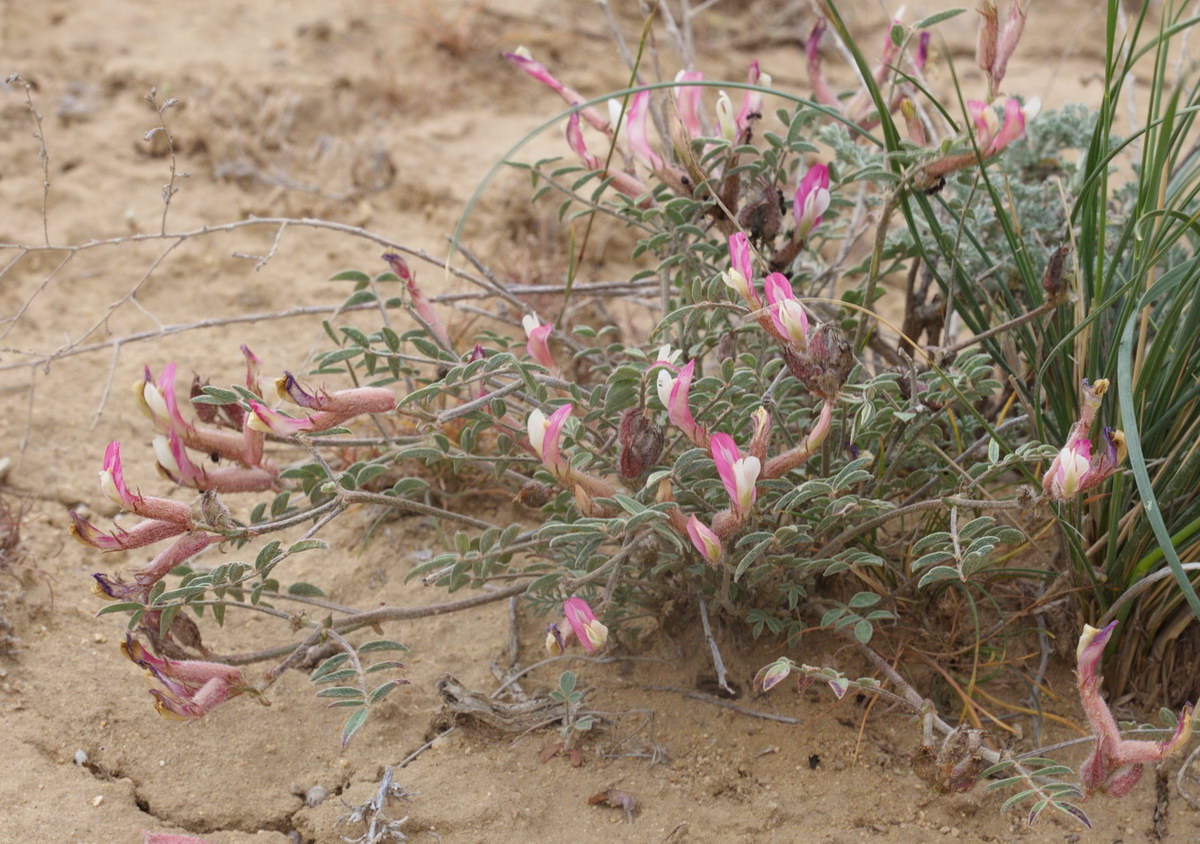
(687,102)
(704,540)
(762,433)
(989,31)
(725,119)
(538,346)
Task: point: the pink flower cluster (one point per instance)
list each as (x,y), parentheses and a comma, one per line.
(189,689)
(630,131)
(738,471)
(784,317)
(995,46)
(858,109)
(165,518)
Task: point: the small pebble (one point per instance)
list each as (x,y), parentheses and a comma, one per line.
(98,799)
(315,796)
(81,757)
(99,638)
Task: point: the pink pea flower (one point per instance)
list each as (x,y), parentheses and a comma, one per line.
(668,356)
(178,552)
(666,363)
(1069,471)
(1115,764)
(522,59)
(752,103)
(331,409)
(175,463)
(687,102)
(576,142)
(145,532)
(678,406)
(994,46)
(922,56)
(420,305)
(740,276)
(822,93)
(157,400)
(787,314)
(1013,127)
(591,633)
(1075,469)
(811,200)
(738,474)
(704,540)
(538,347)
(635,131)
(623,182)
(112,484)
(1006,44)
(991,135)
(190,688)
(545,436)
(252,366)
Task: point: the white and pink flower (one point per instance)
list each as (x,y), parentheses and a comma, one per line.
(787,314)
(704,540)
(811,200)
(738,474)
(740,275)
(538,345)
(545,435)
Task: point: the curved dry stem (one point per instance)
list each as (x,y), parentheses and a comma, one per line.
(296,651)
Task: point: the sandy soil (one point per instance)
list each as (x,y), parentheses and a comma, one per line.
(382,115)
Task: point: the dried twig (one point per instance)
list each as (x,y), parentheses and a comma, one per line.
(43,153)
(296,651)
(718,663)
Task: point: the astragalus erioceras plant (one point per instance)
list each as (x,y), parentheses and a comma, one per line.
(739,453)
